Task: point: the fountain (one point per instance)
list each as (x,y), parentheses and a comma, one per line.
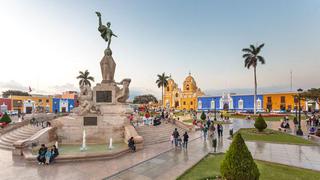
(56,144)
(84,146)
(110,144)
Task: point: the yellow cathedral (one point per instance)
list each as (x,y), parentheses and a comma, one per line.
(185,99)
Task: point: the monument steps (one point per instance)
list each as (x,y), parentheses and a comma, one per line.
(7,140)
(158,134)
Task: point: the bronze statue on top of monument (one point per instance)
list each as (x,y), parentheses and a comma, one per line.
(106,32)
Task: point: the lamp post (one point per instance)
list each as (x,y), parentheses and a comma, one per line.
(299,131)
(215,110)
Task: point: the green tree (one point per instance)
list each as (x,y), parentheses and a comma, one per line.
(162,82)
(252,58)
(8,93)
(145,99)
(312,94)
(203,116)
(238,163)
(260,123)
(5,118)
(85,78)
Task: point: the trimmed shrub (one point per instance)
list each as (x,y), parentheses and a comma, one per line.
(203,116)
(5,118)
(260,124)
(238,163)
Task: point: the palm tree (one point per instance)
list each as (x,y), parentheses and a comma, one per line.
(162,81)
(85,78)
(252,58)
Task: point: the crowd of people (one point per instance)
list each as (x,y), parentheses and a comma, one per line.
(47,155)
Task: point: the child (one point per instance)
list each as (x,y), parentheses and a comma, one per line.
(179,141)
(171,139)
(48,156)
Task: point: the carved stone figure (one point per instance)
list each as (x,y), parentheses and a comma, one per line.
(86,101)
(123,93)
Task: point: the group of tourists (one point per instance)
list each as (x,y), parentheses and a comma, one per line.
(176,139)
(42,123)
(47,155)
(313,124)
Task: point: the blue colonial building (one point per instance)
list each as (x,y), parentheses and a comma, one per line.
(60,105)
(231,102)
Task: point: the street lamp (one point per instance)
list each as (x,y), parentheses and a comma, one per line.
(299,131)
(215,110)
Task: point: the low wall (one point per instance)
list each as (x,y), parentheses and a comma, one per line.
(130,131)
(44,136)
(183,126)
(26,121)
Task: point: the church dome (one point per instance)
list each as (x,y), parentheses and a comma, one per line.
(189,84)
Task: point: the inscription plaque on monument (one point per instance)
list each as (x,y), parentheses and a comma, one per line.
(90,121)
(104,96)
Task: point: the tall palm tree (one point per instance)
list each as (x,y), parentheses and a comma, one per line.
(162,81)
(252,58)
(85,78)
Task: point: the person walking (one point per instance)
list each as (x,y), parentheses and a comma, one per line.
(220,130)
(175,136)
(185,140)
(205,132)
(214,143)
(231,130)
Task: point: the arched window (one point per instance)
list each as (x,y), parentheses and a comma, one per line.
(213,105)
(258,103)
(199,104)
(187,87)
(177,95)
(240,104)
(168,89)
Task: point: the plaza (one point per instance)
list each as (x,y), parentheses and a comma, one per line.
(99,90)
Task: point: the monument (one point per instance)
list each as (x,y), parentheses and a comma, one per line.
(103,110)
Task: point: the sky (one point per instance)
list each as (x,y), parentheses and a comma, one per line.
(44,44)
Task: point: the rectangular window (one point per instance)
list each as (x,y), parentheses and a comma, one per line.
(47,100)
(191,103)
(269,100)
(283,99)
(40,100)
(184,103)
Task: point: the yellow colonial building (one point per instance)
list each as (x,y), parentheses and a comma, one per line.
(29,104)
(185,99)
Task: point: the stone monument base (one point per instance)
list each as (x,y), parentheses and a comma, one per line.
(99,128)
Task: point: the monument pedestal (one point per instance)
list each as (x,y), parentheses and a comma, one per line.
(99,128)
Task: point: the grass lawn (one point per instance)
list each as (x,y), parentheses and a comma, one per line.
(269,135)
(210,167)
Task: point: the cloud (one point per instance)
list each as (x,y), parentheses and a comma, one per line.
(64,87)
(14,85)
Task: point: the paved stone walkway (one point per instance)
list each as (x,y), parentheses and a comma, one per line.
(173,163)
